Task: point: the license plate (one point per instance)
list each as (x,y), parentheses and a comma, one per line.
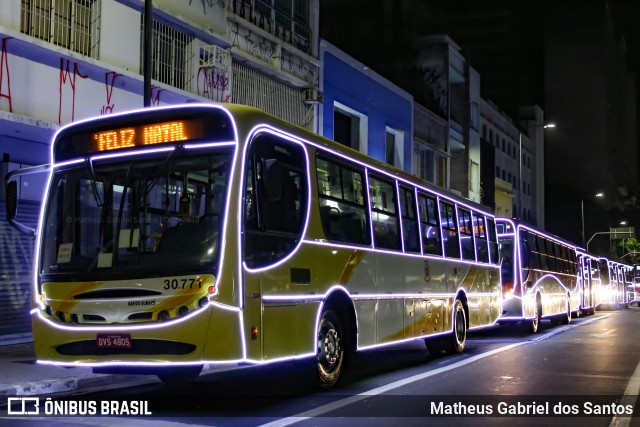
(113,340)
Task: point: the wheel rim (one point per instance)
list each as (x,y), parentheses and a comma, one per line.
(536,318)
(461,332)
(329,348)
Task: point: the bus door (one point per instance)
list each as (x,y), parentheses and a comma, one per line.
(275,214)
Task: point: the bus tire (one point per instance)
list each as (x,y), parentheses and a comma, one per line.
(457,339)
(537,317)
(330,352)
(566,318)
(179,374)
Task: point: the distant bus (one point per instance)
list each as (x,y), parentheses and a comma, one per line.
(614,284)
(633,285)
(539,275)
(174,237)
(588,281)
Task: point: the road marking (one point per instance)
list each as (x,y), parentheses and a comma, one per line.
(629,398)
(604,334)
(397,384)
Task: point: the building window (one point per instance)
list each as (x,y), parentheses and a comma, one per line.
(394,148)
(171,62)
(286,19)
(72,24)
(498,171)
(350,128)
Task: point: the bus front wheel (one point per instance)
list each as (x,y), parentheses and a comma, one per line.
(330,353)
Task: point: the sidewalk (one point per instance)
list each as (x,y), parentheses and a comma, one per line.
(20,375)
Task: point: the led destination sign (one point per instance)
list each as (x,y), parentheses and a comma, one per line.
(156,133)
(143,129)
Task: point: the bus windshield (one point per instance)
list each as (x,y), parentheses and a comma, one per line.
(135,215)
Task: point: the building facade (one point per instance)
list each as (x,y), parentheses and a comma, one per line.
(363,110)
(66,60)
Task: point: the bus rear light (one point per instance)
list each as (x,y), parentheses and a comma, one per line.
(507,290)
(254,333)
(212,289)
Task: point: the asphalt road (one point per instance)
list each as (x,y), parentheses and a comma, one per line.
(583,374)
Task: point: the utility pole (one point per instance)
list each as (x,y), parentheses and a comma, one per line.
(148,57)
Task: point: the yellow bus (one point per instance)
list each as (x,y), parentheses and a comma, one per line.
(180,236)
(539,276)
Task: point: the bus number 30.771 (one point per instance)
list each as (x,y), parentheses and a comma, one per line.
(181,283)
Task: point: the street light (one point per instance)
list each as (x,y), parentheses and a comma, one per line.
(598,196)
(545,126)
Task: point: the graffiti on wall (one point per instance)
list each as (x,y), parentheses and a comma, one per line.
(253,44)
(68,79)
(109,81)
(432,65)
(209,4)
(5,78)
(214,84)
(297,66)
(155,95)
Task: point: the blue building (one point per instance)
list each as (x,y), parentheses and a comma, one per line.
(363,110)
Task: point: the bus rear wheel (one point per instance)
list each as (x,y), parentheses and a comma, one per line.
(566,318)
(458,338)
(537,316)
(330,353)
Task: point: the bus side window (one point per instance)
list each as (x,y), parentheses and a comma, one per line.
(384,213)
(482,247)
(493,241)
(342,203)
(466,234)
(275,198)
(449,230)
(409,221)
(431,240)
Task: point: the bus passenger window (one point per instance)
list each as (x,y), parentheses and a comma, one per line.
(431,241)
(409,222)
(482,246)
(384,214)
(342,203)
(466,235)
(275,199)
(449,230)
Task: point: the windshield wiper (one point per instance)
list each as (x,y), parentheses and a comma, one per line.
(94,186)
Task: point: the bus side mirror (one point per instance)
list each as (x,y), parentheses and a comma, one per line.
(11,182)
(12,200)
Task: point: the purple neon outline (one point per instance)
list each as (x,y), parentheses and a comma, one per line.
(264,127)
(417,199)
(367,167)
(129,153)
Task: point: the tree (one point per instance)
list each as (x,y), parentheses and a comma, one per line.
(630,248)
